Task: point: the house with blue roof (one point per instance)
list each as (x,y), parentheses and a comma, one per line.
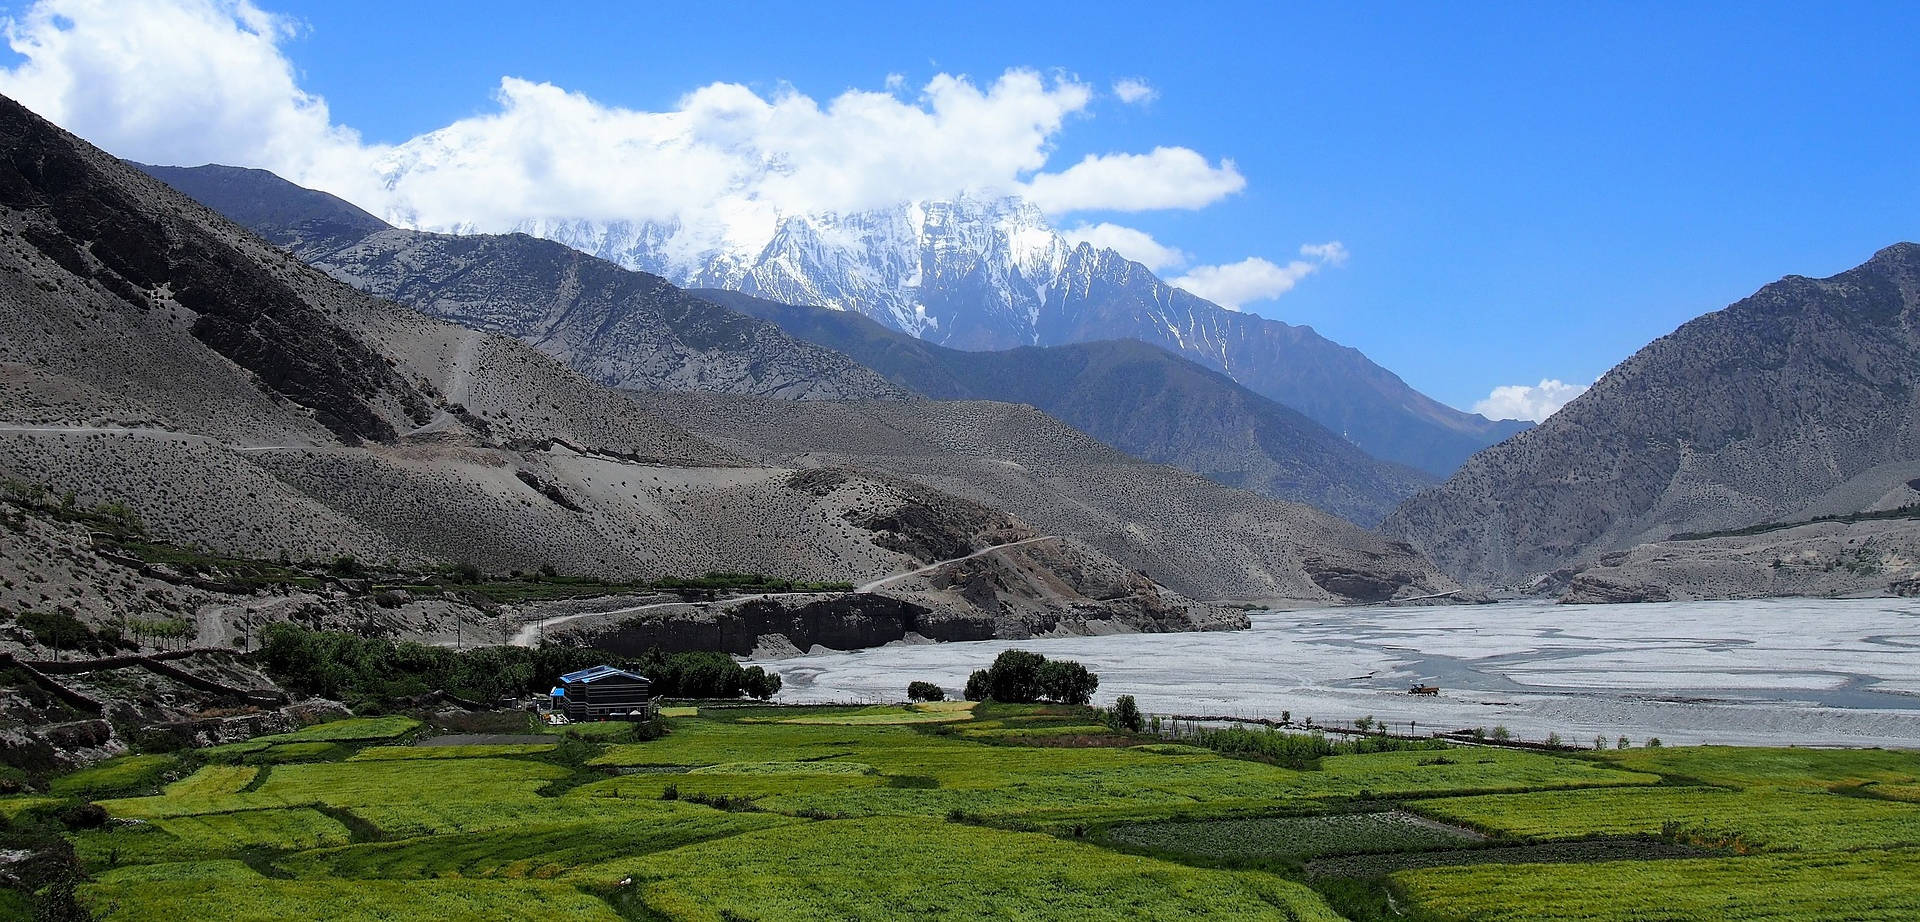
(605,693)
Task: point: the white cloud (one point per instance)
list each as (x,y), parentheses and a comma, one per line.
(189,81)
(1534,402)
(1135,91)
(1136,245)
(198,81)
(1168,177)
(1254,279)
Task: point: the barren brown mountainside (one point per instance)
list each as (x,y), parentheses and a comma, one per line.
(634,330)
(238,402)
(1802,400)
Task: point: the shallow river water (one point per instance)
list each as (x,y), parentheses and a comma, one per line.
(1776,672)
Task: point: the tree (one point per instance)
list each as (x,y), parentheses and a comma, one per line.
(1014,677)
(1126,714)
(978,685)
(1599,742)
(925,691)
(1502,734)
(1623,743)
(1067,682)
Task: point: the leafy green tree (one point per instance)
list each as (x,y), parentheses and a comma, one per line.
(979,684)
(1126,714)
(1014,677)
(1066,681)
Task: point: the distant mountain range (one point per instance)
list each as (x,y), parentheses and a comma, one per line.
(620,328)
(991,274)
(1136,397)
(1800,401)
(631,329)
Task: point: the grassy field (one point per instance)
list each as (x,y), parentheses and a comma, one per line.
(944,812)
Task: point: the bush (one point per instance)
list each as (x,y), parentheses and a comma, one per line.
(925,691)
(1125,714)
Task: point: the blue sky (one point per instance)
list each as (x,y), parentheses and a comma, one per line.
(1525,191)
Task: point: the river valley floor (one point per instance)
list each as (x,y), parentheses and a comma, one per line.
(1778,672)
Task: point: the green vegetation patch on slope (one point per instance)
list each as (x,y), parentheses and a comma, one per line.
(123,775)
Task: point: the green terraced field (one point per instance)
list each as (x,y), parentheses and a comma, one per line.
(353,728)
(1773,820)
(261,899)
(1291,836)
(23,804)
(122,775)
(1846,887)
(213,780)
(859,870)
(765,814)
(389,753)
(285,829)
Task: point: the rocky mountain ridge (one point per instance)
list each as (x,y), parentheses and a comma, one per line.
(1801,400)
(990,273)
(619,328)
(1138,398)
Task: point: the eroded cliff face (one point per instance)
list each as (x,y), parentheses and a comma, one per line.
(847,621)
(772,627)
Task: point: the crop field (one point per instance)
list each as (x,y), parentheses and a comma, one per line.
(1292,836)
(1771,820)
(212,780)
(114,775)
(930,713)
(999,812)
(23,804)
(854,870)
(1842,887)
(1777,769)
(353,728)
(285,828)
(390,753)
